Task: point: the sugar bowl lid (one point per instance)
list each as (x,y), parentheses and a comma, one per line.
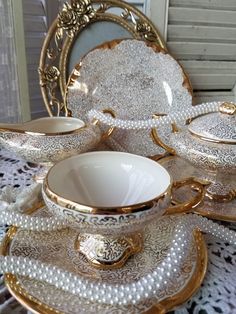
(219,127)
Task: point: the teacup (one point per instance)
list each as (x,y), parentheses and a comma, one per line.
(109,197)
(49,140)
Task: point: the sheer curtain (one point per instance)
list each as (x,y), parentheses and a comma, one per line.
(9,90)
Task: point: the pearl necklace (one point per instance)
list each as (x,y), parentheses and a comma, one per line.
(12,217)
(121,294)
(154,123)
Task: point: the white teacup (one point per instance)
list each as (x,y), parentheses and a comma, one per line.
(109,197)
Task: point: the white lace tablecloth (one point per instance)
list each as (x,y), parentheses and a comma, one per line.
(218,291)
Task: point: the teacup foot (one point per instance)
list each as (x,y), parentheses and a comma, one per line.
(106,252)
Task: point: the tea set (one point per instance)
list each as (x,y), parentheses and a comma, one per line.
(117,205)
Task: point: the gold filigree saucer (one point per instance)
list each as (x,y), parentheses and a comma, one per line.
(180,168)
(57,248)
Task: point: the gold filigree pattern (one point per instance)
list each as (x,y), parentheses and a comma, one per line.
(74,17)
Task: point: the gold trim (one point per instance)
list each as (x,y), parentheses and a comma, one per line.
(200,209)
(228,108)
(37,307)
(156,139)
(74,131)
(139,207)
(83,208)
(190,204)
(223,198)
(207,139)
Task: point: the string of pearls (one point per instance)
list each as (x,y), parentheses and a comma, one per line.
(153,123)
(12,204)
(213,228)
(11,217)
(121,294)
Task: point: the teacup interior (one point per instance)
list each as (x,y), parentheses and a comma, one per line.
(108,179)
(48,125)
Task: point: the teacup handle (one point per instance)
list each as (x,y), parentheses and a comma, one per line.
(193,202)
(111,129)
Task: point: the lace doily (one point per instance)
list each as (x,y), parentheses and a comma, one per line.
(14,171)
(218,291)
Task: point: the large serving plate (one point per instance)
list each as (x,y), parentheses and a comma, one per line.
(57,248)
(135,79)
(180,169)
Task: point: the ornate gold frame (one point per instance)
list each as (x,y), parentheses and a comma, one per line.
(72,19)
(164,306)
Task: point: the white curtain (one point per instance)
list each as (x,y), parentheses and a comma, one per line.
(9,91)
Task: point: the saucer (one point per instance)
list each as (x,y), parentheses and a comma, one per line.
(57,248)
(179,169)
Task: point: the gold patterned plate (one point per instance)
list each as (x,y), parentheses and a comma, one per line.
(135,79)
(57,248)
(179,169)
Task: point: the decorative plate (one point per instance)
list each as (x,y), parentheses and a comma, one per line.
(136,79)
(57,248)
(69,36)
(180,168)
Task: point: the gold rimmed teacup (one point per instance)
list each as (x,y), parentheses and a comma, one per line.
(109,197)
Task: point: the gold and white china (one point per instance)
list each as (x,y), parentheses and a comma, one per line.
(57,248)
(48,140)
(109,197)
(134,78)
(209,142)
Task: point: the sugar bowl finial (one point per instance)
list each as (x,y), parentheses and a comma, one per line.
(228,108)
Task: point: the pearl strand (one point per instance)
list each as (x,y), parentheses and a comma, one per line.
(123,294)
(116,294)
(11,217)
(154,123)
(213,228)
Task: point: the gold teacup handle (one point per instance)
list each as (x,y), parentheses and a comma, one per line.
(193,202)
(111,129)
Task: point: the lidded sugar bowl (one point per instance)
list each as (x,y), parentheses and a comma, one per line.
(209,142)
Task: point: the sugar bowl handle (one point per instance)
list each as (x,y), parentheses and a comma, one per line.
(111,129)
(193,202)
